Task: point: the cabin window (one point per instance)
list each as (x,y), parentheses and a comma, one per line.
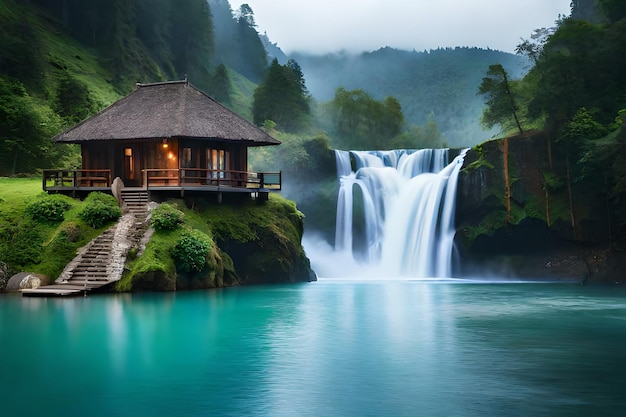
(187,159)
(129,163)
(217,163)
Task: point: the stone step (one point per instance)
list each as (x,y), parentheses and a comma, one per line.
(89,274)
(94,258)
(95,282)
(96,255)
(88,269)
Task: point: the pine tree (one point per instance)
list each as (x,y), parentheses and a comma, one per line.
(282,98)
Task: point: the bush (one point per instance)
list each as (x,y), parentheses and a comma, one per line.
(100,209)
(72,232)
(49,208)
(167,217)
(191,251)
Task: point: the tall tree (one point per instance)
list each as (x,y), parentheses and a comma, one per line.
(581,128)
(220,85)
(252,60)
(192,41)
(282,97)
(500,99)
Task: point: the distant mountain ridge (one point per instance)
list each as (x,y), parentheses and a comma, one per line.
(442,81)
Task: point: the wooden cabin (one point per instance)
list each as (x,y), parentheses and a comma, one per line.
(166,136)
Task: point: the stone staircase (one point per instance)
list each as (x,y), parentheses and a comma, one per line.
(101,261)
(135,200)
(92,270)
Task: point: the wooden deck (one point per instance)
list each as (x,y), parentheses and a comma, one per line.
(191,179)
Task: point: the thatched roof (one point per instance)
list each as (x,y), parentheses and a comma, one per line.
(166,110)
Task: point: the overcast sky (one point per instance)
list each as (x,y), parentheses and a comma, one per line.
(321,26)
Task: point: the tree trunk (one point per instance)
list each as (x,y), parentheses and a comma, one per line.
(507,185)
(571,202)
(545,188)
(17,152)
(512,100)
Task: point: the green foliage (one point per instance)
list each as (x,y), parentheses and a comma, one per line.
(154,269)
(191,251)
(421,137)
(501,101)
(74,102)
(48,208)
(552,182)
(72,231)
(615,10)
(573,72)
(220,85)
(251,57)
(25,130)
(167,217)
(582,126)
(301,158)
(100,209)
(282,98)
(442,81)
(22,243)
(361,122)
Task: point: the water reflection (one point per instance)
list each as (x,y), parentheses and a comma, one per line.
(332,348)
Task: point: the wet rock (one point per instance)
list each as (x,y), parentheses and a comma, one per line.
(24,280)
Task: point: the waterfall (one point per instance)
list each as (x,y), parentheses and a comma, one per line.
(401,206)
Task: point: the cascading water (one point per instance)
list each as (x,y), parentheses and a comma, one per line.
(406,202)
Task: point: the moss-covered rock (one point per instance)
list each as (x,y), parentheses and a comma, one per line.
(523,229)
(263,240)
(242,242)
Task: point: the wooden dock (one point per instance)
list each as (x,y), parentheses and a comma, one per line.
(56,290)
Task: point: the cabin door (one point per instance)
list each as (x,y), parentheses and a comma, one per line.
(131,171)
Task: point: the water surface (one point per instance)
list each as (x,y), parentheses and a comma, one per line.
(331,348)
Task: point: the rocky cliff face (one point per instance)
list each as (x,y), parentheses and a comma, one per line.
(514,215)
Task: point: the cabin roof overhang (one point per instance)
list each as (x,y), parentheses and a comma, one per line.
(166,110)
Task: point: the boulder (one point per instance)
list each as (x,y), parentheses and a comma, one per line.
(116,190)
(23,280)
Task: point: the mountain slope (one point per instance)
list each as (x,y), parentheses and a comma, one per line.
(442,81)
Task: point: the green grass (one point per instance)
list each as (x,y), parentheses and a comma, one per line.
(14,191)
(41,247)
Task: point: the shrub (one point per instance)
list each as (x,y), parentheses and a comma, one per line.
(99,197)
(72,232)
(167,217)
(191,250)
(100,209)
(49,208)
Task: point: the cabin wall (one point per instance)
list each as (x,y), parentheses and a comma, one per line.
(129,159)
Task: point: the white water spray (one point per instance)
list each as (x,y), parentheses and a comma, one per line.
(405,202)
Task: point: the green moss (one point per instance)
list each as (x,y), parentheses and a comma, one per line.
(154,268)
(490,223)
(481,161)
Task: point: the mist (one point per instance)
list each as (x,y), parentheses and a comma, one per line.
(441,82)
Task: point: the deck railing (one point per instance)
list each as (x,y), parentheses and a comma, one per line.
(76,178)
(198,177)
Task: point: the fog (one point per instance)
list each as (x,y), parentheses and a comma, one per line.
(333,25)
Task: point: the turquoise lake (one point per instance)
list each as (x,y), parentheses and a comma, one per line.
(330,348)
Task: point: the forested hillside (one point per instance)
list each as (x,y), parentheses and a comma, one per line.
(63,60)
(443,82)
